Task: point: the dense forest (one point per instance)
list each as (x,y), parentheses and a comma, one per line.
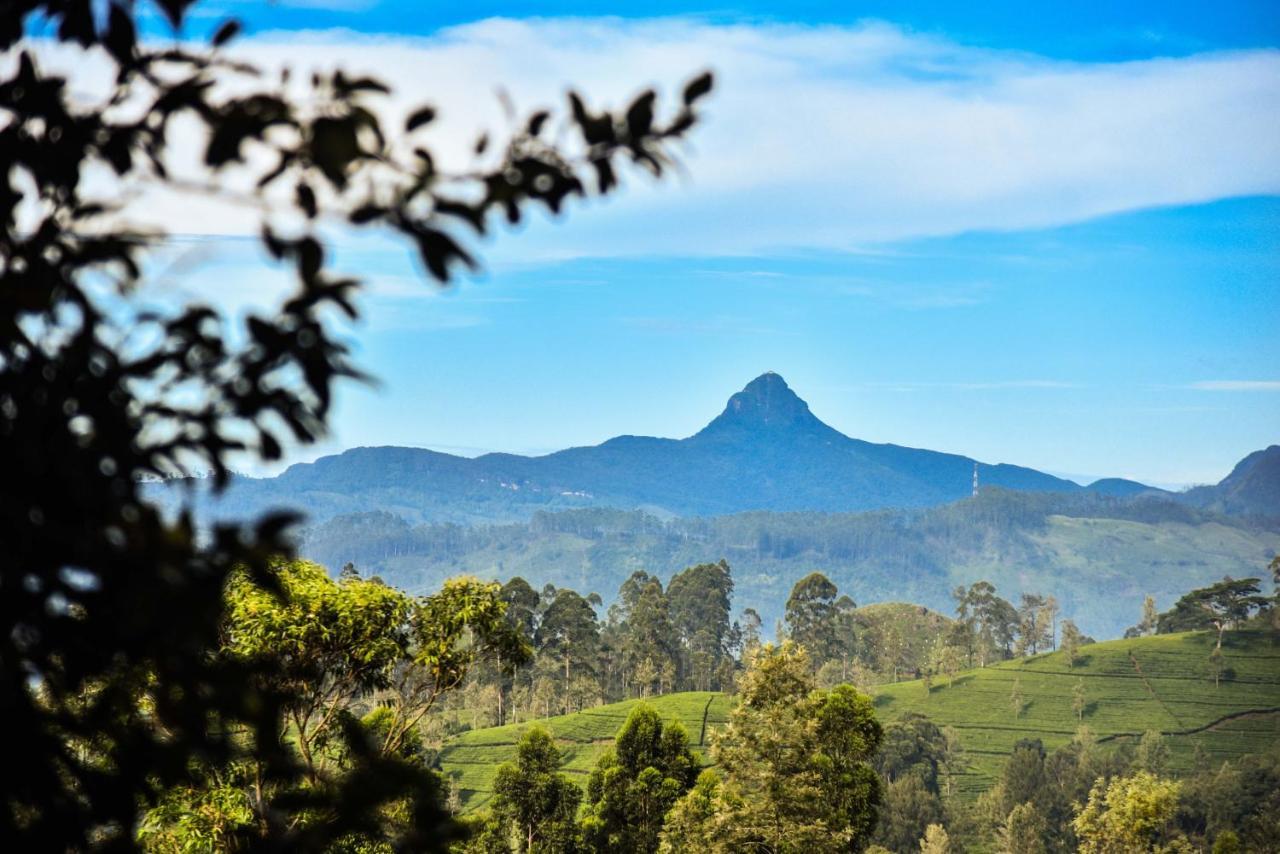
(802,763)
(1101,555)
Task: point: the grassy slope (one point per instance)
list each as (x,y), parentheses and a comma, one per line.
(1131,686)
(1172,694)
(474,757)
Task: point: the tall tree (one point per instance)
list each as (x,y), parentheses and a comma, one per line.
(935,840)
(1072,640)
(700,598)
(1022,780)
(1024,830)
(522,607)
(449,632)
(110,606)
(1217,665)
(323,645)
(522,603)
(1274,566)
(793,767)
(1152,753)
(569,633)
(645,630)
(811,617)
(913,746)
(1220,606)
(1033,624)
(751,623)
(1049,618)
(533,800)
(907,810)
(846,626)
(1150,617)
(991,621)
(1017,700)
(634,785)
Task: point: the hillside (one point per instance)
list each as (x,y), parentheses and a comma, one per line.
(1253,487)
(1131,686)
(765,451)
(1098,556)
(473,757)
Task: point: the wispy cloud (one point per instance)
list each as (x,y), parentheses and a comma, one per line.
(915,296)
(981,385)
(1236,385)
(829,137)
(716,325)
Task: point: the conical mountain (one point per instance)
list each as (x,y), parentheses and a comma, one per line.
(765,406)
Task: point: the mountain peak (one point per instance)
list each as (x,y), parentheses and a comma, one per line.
(766,403)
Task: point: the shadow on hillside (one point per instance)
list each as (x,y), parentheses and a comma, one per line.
(945,685)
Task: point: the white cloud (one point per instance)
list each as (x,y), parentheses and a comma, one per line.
(991,385)
(831,137)
(1236,385)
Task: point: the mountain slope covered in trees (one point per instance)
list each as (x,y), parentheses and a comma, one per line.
(1098,556)
(1253,487)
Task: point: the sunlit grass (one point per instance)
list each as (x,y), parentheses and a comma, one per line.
(1173,693)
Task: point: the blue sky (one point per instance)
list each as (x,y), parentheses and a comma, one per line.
(1046,234)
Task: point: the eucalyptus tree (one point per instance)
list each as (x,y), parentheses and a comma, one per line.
(635,783)
(811,617)
(792,767)
(569,633)
(700,598)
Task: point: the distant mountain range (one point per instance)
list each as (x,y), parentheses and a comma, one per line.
(1252,488)
(765,451)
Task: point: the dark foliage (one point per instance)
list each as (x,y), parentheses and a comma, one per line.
(1219,606)
(109,688)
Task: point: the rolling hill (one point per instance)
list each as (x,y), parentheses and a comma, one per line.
(1154,683)
(473,757)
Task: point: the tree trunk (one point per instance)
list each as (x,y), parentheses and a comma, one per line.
(500,710)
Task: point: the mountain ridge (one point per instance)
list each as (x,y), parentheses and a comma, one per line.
(766,450)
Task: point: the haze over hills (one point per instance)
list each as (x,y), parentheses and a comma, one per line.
(1253,487)
(778,493)
(765,451)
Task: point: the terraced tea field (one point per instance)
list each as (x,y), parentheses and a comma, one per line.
(473,757)
(1131,686)
(1157,683)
